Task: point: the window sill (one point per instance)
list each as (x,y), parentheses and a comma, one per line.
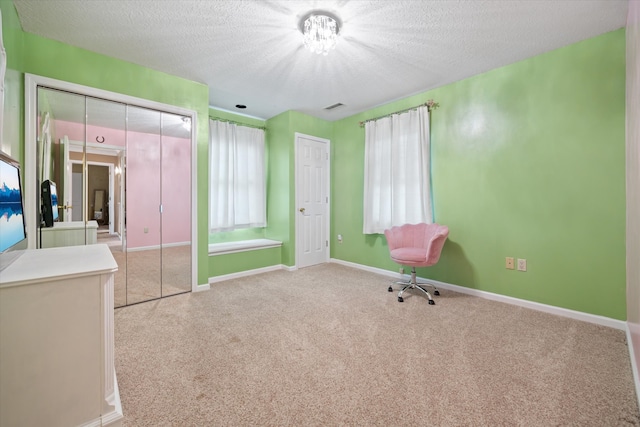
(242,246)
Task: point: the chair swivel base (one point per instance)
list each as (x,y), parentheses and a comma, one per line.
(414,285)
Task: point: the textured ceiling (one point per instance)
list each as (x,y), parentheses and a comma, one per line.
(251,52)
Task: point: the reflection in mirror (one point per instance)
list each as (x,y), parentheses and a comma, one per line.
(176,204)
(58,112)
(123,177)
(103,204)
(144,262)
(105,151)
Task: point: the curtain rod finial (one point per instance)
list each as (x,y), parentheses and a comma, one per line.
(432,105)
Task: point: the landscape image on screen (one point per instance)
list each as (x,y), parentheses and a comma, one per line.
(11,219)
(54,202)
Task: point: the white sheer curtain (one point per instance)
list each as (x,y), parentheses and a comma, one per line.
(397,185)
(237,183)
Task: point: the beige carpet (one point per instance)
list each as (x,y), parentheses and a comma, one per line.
(329,346)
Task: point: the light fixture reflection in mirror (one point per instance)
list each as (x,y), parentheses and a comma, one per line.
(186,123)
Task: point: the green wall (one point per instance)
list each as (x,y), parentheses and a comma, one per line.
(280,153)
(528,161)
(233,263)
(279,179)
(245,233)
(243,261)
(281,198)
(216,113)
(28,53)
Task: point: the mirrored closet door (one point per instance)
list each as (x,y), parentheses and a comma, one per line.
(118,174)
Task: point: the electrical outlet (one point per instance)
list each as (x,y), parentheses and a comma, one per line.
(339,238)
(401,270)
(146,229)
(509,263)
(522,264)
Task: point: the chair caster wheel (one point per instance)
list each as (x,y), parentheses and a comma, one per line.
(436,292)
(390,289)
(432,302)
(400,299)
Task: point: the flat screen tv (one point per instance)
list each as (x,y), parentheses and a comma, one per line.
(49,203)
(13,230)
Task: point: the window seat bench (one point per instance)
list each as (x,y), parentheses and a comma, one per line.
(242,246)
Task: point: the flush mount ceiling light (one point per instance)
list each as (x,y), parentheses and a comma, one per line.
(320,30)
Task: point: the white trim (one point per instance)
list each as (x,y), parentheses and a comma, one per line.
(30,146)
(194,203)
(164,245)
(94,148)
(114,417)
(327,183)
(246,273)
(200,288)
(634,367)
(242,246)
(31,83)
(559,311)
(96,422)
(111,168)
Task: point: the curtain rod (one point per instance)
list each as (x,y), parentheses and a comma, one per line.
(430,104)
(237,123)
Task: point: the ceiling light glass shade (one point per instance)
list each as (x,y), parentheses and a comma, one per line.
(320,32)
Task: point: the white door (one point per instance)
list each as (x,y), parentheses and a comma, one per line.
(312,200)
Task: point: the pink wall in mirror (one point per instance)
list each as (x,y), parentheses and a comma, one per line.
(144,182)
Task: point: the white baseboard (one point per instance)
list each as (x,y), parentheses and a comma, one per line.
(634,367)
(164,245)
(565,312)
(246,273)
(200,287)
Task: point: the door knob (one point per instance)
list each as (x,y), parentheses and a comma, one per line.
(302,210)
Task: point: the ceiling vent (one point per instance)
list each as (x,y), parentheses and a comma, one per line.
(331,107)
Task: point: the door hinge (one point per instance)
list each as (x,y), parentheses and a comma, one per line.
(326,243)
(327,199)
(160,208)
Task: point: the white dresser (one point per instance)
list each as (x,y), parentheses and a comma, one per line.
(57,339)
(70,233)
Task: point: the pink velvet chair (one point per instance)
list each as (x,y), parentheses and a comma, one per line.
(416,245)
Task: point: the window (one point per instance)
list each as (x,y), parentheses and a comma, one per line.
(397,185)
(237,184)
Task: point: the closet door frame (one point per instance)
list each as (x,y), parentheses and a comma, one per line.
(31,84)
